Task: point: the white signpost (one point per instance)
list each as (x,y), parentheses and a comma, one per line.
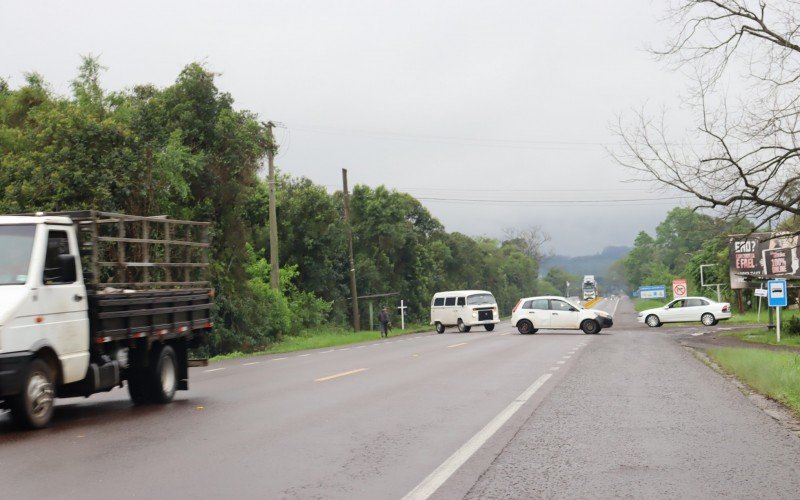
(760,293)
(777,298)
(402,315)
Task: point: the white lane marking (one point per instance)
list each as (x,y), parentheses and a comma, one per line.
(565,357)
(303,355)
(326,352)
(213,370)
(697,334)
(560,362)
(360,347)
(344,349)
(555,368)
(615,308)
(430,484)
(252,363)
(279,359)
(338,375)
(457,345)
(504,334)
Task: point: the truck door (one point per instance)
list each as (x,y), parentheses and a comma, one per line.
(62,305)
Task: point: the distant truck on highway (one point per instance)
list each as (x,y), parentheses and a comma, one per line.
(91,299)
(589,287)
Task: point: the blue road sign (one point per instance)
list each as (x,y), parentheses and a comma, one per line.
(776,293)
(653,292)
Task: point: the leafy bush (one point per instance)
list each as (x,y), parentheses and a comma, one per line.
(791,327)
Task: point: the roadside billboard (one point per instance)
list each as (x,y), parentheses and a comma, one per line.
(653,292)
(763,255)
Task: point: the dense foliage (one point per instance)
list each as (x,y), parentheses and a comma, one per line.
(685,240)
(185,151)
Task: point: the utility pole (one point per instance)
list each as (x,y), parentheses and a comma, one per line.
(353,291)
(274,273)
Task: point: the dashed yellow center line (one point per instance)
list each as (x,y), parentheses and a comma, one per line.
(338,375)
(457,345)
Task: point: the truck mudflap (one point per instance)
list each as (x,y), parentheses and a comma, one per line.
(12,371)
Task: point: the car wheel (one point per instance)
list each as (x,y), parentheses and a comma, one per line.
(33,409)
(461,326)
(590,326)
(489,327)
(715,322)
(439,327)
(707,319)
(652,321)
(525,327)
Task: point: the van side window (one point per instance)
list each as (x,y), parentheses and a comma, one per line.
(57,244)
(461,301)
(438,301)
(450,301)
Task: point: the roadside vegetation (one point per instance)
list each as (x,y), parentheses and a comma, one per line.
(184,150)
(323,338)
(774,374)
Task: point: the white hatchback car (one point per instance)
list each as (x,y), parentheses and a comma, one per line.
(706,311)
(557,313)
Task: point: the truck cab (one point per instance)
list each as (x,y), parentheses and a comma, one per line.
(61,336)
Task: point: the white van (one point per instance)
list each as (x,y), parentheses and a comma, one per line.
(464,309)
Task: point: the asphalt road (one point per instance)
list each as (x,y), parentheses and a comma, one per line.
(483,415)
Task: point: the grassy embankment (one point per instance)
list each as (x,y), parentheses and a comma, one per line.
(774,374)
(324,338)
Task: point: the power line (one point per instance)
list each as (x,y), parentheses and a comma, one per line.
(478,200)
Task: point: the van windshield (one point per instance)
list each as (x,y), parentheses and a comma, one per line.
(16,244)
(481,298)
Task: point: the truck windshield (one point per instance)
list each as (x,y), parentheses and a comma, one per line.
(16,244)
(482,298)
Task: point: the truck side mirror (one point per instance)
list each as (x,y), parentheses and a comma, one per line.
(67,268)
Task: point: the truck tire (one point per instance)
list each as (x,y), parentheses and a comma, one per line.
(33,408)
(138,386)
(164,377)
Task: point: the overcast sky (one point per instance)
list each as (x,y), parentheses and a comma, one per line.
(494,114)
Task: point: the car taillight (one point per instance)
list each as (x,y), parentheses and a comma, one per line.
(516,306)
(726,308)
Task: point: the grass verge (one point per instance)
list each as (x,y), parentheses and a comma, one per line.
(321,339)
(764,336)
(774,374)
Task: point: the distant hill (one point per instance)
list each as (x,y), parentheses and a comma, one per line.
(597,264)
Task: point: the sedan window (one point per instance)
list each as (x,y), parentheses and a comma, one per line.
(677,304)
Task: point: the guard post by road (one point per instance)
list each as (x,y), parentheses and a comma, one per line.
(777,298)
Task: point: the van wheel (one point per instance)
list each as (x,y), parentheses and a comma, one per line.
(33,409)
(462,327)
(439,327)
(489,327)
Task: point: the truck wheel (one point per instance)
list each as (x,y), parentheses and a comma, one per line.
(164,377)
(439,327)
(138,386)
(33,409)
(489,327)
(590,326)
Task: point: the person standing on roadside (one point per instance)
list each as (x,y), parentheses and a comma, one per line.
(383,319)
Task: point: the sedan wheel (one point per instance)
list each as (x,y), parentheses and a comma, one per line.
(707,319)
(652,321)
